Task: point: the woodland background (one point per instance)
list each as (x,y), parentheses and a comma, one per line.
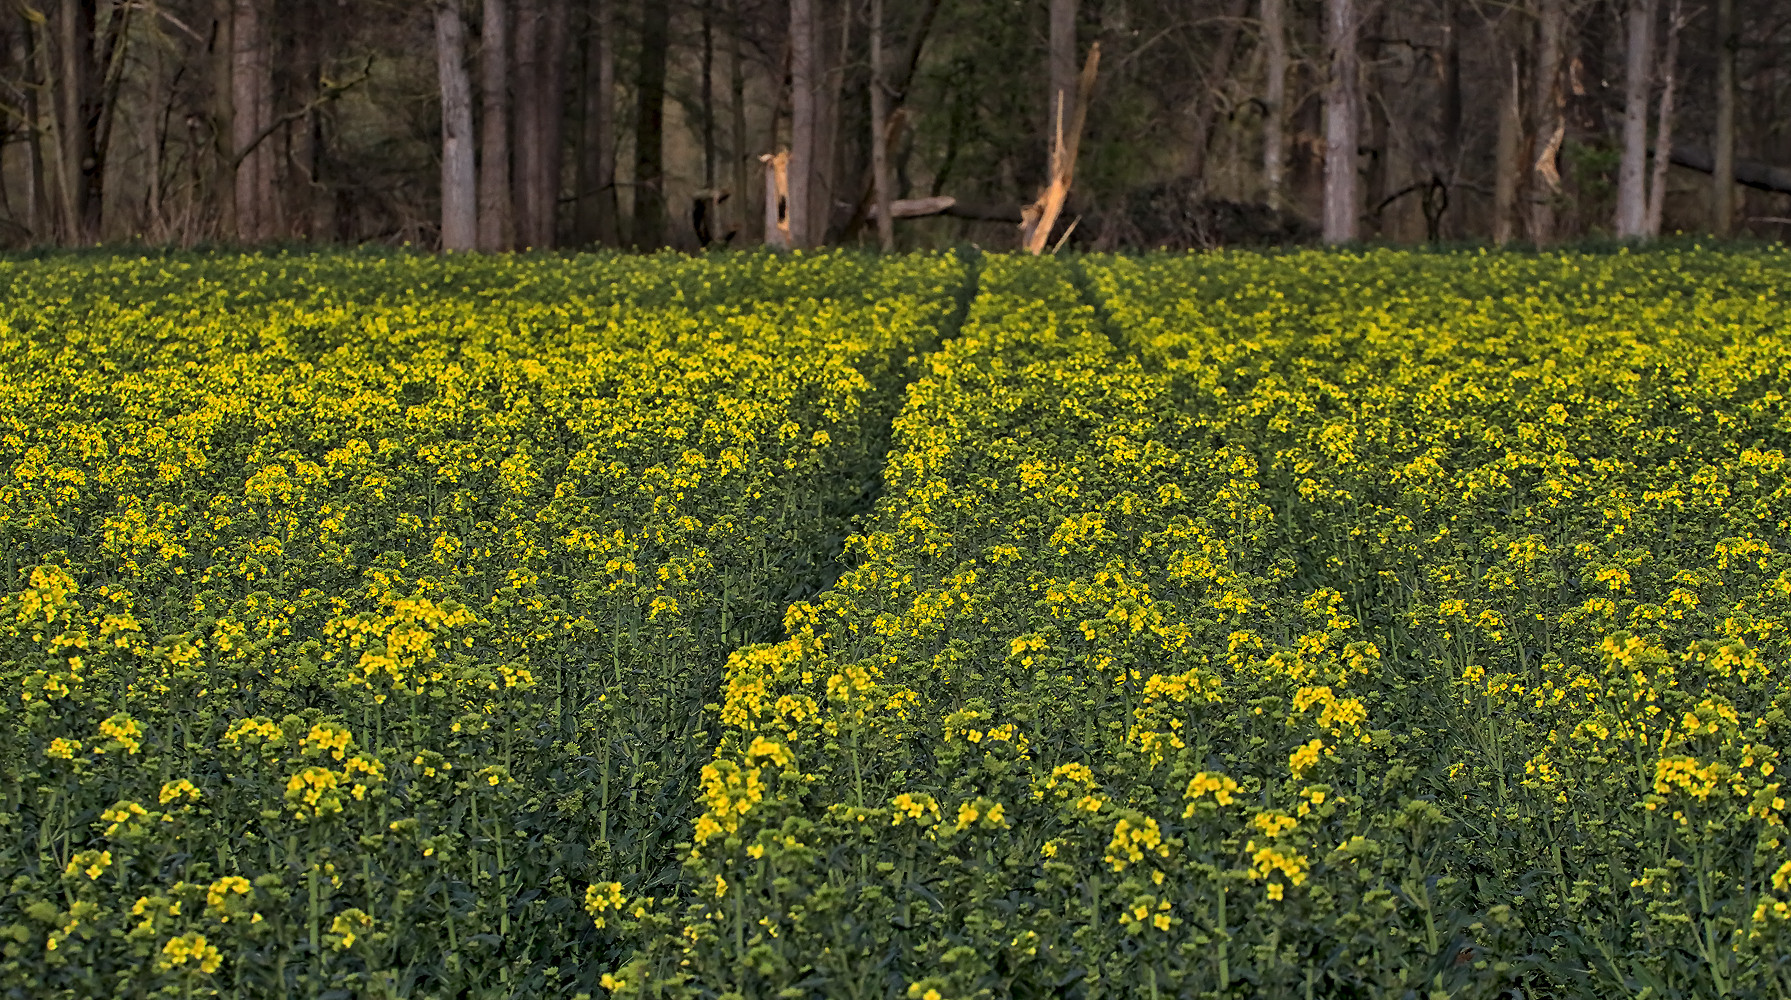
(506,124)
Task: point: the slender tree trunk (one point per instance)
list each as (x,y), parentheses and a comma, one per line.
(1548,106)
(802,120)
(251,107)
(649,129)
(1505,154)
(824,182)
(1722,178)
(37,203)
(737,105)
(1632,196)
(1445,167)
(880,134)
(267,190)
(1663,128)
(1060,106)
(706,95)
(526,123)
(597,136)
(216,182)
(79,97)
(497,228)
(556,29)
(460,213)
(1341,185)
(1274,98)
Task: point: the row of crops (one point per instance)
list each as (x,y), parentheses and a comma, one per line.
(1339,625)
(366,617)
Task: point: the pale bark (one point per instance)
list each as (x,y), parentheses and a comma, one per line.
(1548,105)
(797,188)
(1274,98)
(497,228)
(250,97)
(1341,184)
(1663,128)
(1632,196)
(1505,156)
(460,215)
(1060,106)
(1722,180)
(597,134)
(649,130)
(879,134)
(777,199)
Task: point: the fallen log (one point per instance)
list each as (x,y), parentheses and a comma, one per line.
(1760,176)
(910,208)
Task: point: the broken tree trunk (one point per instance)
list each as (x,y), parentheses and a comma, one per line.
(1038,217)
(777,199)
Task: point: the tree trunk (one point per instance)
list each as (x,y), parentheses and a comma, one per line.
(1505,155)
(737,105)
(597,133)
(1663,128)
(460,215)
(556,28)
(37,203)
(497,227)
(1722,181)
(1548,106)
(1632,196)
(1274,98)
(1061,65)
(802,121)
(706,94)
(80,96)
(1340,211)
(879,134)
(250,100)
(649,128)
(526,120)
(830,106)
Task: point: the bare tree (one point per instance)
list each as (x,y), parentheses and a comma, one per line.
(649,127)
(880,133)
(737,105)
(1663,127)
(1632,195)
(550,92)
(1505,153)
(1722,176)
(496,224)
(1274,98)
(460,216)
(1061,66)
(1548,106)
(1341,139)
(526,120)
(251,86)
(597,134)
(802,121)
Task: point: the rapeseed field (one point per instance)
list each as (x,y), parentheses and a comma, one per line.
(1341,624)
